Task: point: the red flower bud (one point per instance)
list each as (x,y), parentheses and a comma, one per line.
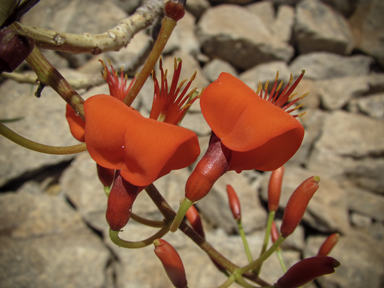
(234,203)
(307,270)
(274,188)
(297,204)
(171,262)
(174,10)
(210,168)
(328,244)
(106,175)
(120,201)
(195,220)
(274,232)
(14,48)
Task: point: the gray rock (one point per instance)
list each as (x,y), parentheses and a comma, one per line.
(371,105)
(366,23)
(196,123)
(361,258)
(215,208)
(323,65)
(214,68)
(343,132)
(336,93)
(366,203)
(327,210)
(42,120)
(344,7)
(197,7)
(360,220)
(218,37)
(319,28)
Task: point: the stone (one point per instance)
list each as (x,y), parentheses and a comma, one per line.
(324,65)
(327,211)
(319,28)
(197,7)
(218,37)
(366,23)
(360,220)
(344,7)
(214,68)
(41,120)
(196,122)
(366,203)
(215,208)
(370,105)
(337,92)
(361,258)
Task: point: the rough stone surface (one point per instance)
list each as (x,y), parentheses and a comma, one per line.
(319,28)
(218,37)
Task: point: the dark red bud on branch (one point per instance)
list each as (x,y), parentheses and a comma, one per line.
(120,201)
(14,48)
(307,270)
(234,203)
(297,204)
(210,168)
(175,9)
(106,175)
(172,263)
(328,244)
(274,189)
(274,232)
(195,220)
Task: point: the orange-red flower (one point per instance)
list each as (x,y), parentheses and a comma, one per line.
(118,137)
(256,127)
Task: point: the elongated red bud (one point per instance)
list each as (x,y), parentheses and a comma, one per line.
(210,168)
(175,9)
(120,201)
(328,244)
(297,204)
(172,263)
(307,270)
(274,232)
(234,203)
(274,189)
(106,175)
(195,220)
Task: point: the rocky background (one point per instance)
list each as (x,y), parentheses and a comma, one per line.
(52,227)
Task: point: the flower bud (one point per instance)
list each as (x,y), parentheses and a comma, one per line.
(307,270)
(106,175)
(172,263)
(14,48)
(328,244)
(234,203)
(195,220)
(297,204)
(174,9)
(209,169)
(274,189)
(274,232)
(120,201)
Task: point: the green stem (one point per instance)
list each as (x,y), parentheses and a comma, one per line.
(169,215)
(184,206)
(31,145)
(245,242)
(147,222)
(242,282)
(48,75)
(228,282)
(114,235)
(167,27)
(263,257)
(271,217)
(280,257)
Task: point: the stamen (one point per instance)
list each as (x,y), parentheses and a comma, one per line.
(291,97)
(259,88)
(266,90)
(193,76)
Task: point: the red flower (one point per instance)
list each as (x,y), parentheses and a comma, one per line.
(256,127)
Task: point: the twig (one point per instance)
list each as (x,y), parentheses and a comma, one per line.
(112,40)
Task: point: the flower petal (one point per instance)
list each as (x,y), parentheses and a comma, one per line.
(107,119)
(241,119)
(153,149)
(76,124)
